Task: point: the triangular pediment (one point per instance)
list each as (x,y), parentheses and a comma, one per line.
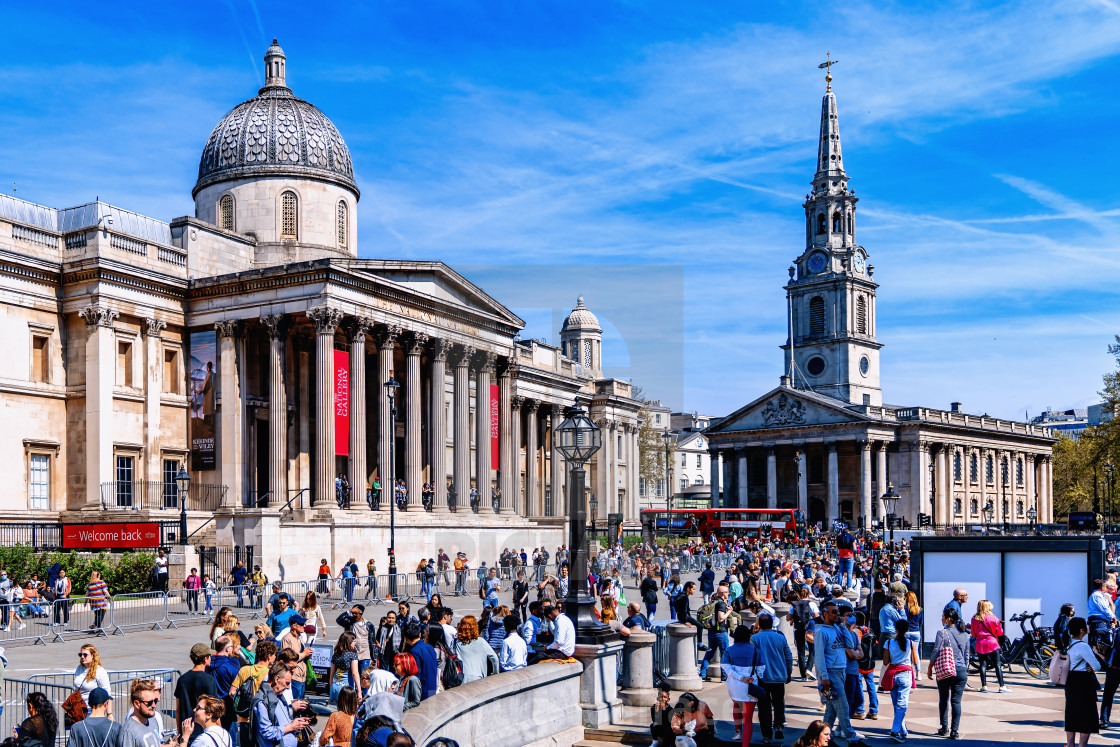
(437,280)
(787,408)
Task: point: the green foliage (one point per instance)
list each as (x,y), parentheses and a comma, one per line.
(124,572)
(630,541)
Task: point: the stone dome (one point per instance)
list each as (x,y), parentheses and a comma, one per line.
(581,318)
(275,134)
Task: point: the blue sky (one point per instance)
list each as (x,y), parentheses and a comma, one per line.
(653,157)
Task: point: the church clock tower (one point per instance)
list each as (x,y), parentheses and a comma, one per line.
(831,292)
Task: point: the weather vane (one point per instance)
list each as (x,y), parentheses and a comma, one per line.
(827,67)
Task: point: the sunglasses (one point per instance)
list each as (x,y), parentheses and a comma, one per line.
(83,655)
(148,703)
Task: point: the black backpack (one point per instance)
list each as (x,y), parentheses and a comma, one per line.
(243,698)
(452,669)
(802,614)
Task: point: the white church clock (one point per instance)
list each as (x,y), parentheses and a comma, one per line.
(817,262)
(859,263)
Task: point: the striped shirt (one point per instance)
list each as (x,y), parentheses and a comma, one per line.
(97,593)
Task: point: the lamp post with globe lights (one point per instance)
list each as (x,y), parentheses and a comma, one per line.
(890,499)
(391,387)
(183,483)
(577,440)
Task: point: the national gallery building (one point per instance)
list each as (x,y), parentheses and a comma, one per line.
(825,442)
(250,343)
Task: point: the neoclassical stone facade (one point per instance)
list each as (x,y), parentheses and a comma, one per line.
(215,340)
(825,442)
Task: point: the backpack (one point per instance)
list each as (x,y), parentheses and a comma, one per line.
(802,614)
(452,669)
(243,698)
(706,615)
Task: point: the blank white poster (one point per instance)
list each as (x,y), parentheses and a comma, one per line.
(978,573)
(1043,582)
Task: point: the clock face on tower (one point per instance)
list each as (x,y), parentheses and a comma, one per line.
(859,263)
(817,262)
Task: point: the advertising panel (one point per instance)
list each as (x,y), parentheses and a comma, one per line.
(203,383)
(110,536)
(341,403)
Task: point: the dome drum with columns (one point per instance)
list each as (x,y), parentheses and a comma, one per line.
(149,342)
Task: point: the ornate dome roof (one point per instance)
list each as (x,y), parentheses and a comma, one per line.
(581,318)
(275,134)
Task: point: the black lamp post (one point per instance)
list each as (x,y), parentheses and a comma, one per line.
(1108,478)
(577,440)
(797,462)
(890,499)
(1032,514)
(593,502)
(183,483)
(391,387)
(989,514)
(667,437)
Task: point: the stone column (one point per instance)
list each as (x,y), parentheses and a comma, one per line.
(153,388)
(744,492)
(683,674)
(231,423)
(771,479)
(865,495)
(982,480)
(413,433)
(881,456)
(101,369)
(714,465)
(485,361)
(461,471)
(923,503)
(386,429)
(519,506)
(559,495)
(507,457)
(944,510)
(326,322)
(637,686)
(531,495)
(437,423)
(833,484)
(802,481)
(276,325)
(1032,481)
(1048,489)
(357,329)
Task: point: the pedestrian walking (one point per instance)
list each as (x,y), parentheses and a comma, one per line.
(950,680)
(62,589)
(745,666)
(1081,687)
(97,596)
(90,673)
(987,630)
(902,665)
(648,592)
(777,658)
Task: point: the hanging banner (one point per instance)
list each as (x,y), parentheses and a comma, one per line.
(110,536)
(203,382)
(341,403)
(495,456)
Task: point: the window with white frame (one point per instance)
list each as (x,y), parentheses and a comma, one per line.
(124,483)
(39,482)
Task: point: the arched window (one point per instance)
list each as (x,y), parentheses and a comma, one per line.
(698,481)
(861,315)
(341,224)
(973,469)
(990,469)
(837,223)
(957,506)
(816,316)
(974,507)
(289,218)
(821,225)
(957,467)
(1019,471)
(225,212)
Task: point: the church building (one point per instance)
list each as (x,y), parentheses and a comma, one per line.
(250,343)
(825,442)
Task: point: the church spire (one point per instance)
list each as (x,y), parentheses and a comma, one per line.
(830,162)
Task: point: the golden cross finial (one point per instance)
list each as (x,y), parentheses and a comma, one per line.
(827,67)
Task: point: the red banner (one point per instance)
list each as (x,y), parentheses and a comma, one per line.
(341,403)
(109,536)
(495,456)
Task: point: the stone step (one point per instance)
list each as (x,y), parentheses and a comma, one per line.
(619,734)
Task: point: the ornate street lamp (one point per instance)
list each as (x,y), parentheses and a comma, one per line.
(989,514)
(1032,514)
(577,440)
(667,437)
(593,502)
(889,499)
(183,483)
(391,387)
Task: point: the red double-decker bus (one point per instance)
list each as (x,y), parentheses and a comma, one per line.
(725,523)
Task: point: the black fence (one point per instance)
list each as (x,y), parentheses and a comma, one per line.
(217,562)
(154,495)
(45,535)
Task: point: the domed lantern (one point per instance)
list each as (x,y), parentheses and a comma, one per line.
(577,438)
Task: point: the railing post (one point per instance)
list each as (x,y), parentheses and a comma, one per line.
(683,674)
(637,685)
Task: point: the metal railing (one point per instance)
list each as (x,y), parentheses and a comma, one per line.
(146,609)
(38,534)
(155,495)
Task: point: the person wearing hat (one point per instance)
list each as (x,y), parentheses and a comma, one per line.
(98,728)
(194,683)
(292,642)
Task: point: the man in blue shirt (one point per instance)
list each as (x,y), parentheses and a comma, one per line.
(833,650)
(238,576)
(425,657)
(492,588)
(778,658)
(960,596)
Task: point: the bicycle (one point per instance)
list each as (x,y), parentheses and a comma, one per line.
(1032,650)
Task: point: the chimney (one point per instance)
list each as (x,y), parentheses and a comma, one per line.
(954,407)
(785,381)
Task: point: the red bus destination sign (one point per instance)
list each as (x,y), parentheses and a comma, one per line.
(110,536)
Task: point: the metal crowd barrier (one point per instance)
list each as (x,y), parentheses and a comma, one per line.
(186,606)
(15,694)
(146,609)
(69,617)
(34,627)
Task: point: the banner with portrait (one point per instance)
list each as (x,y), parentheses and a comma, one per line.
(203,384)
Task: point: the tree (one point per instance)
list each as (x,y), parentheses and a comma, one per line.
(651,447)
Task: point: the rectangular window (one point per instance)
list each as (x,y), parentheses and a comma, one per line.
(698,464)
(642,486)
(657,418)
(124,481)
(40,359)
(684,460)
(170,490)
(39,482)
(124,363)
(171,371)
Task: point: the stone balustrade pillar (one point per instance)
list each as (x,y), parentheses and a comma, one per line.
(682,658)
(637,682)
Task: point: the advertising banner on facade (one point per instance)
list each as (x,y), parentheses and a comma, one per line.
(495,456)
(109,536)
(341,403)
(203,383)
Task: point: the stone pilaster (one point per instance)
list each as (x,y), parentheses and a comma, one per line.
(101,368)
(531,493)
(357,330)
(833,485)
(462,420)
(771,479)
(154,386)
(437,423)
(231,423)
(516,404)
(326,322)
(743,481)
(414,397)
(556,461)
(276,325)
(386,344)
(484,361)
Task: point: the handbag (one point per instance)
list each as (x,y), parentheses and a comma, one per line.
(945,664)
(74,709)
(1059,668)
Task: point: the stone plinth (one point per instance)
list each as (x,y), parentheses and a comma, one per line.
(598,687)
(637,683)
(683,674)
